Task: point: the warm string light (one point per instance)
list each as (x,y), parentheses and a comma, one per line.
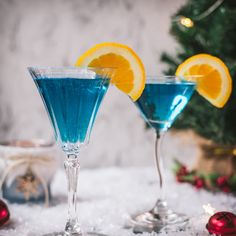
(189,23)
(234,151)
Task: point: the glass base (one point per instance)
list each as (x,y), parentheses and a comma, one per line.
(158,219)
(72,228)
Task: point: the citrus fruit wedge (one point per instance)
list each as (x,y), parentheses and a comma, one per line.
(211,75)
(129,74)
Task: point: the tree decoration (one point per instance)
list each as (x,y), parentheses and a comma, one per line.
(212,181)
(206,27)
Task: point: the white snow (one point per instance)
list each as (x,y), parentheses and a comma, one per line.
(106,199)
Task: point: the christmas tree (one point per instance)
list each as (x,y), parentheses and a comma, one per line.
(203,26)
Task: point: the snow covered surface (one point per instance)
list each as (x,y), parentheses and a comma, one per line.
(106,199)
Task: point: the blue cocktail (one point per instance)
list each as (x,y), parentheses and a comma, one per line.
(163,98)
(162,101)
(72,105)
(71,96)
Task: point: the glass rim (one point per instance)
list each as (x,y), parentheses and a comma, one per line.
(73,71)
(151,76)
(68,67)
(172,78)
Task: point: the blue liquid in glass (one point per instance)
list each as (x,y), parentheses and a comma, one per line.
(161,102)
(72,105)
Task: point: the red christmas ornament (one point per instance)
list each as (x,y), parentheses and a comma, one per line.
(226,189)
(222,224)
(4,213)
(222,181)
(179,179)
(199,183)
(182,171)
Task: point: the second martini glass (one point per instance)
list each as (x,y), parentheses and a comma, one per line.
(163,98)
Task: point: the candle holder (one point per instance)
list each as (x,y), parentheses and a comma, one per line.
(26,170)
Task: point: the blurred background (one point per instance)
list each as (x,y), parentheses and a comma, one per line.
(55,33)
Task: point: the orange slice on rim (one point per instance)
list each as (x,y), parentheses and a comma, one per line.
(213,79)
(129,75)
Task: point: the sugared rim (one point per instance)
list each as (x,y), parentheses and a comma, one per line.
(76,68)
(72,71)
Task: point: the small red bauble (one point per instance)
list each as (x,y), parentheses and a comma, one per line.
(199,183)
(222,180)
(226,189)
(4,213)
(182,171)
(222,223)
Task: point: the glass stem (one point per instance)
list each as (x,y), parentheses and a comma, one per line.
(159,163)
(72,167)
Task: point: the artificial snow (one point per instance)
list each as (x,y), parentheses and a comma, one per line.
(107,197)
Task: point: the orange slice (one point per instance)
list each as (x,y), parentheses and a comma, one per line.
(129,75)
(213,79)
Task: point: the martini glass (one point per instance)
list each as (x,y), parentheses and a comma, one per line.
(72,96)
(163,98)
